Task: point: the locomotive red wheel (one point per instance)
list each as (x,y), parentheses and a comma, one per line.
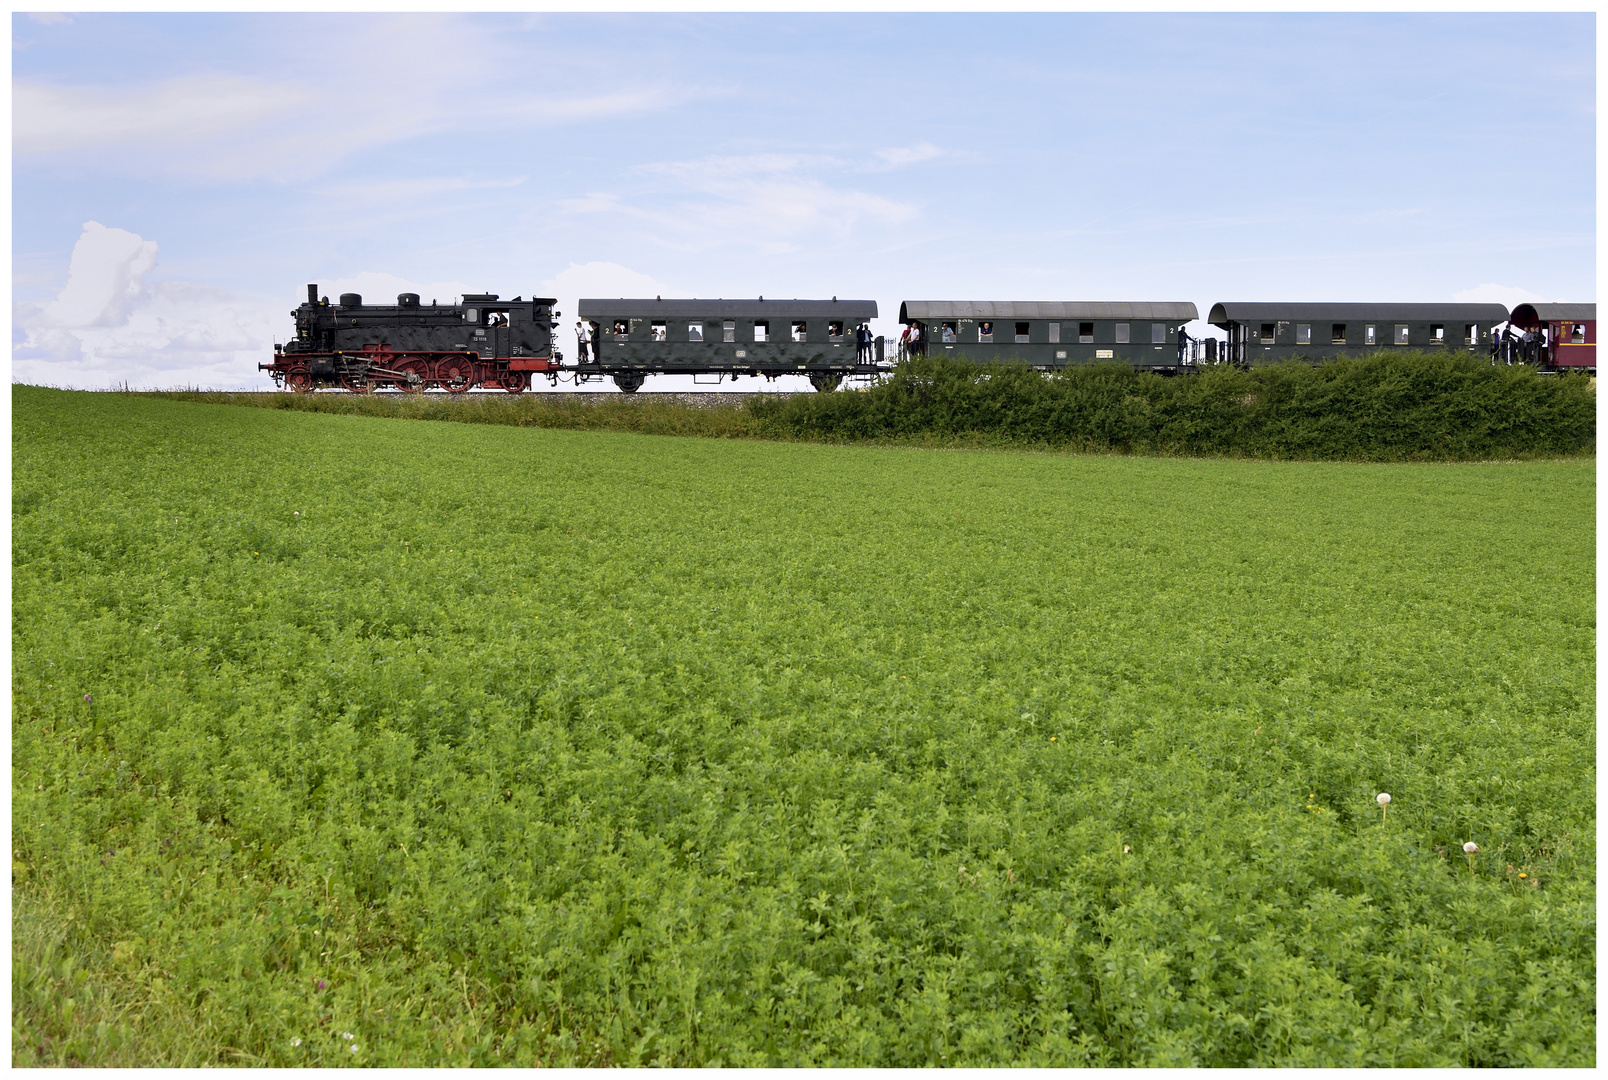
(455,373)
(358,382)
(514,382)
(417,370)
(300,380)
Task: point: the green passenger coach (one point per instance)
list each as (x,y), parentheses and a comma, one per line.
(1260,333)
(1053,334)
(633,339)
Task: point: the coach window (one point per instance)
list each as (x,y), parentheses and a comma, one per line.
(1158,333)
(1577,336)
(728,331)
(1471,334)
(695,331)
(834,329)
(1437,334)
(1268,330)
(985,331)
(1122,333)
(799,332)
(761,332)
(1055,333)
(1370,335)
(659,332)
(1085,333)
(622,332)
(947,333)
(1021,333)
(1337,334)
(1303,334)
(1401,334)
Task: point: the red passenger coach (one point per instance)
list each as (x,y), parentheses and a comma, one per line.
(1569,333)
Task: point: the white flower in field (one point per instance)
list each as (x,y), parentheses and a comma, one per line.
(354,1048)
(296,1041)
(1470,848)
(347,1035)
(1383,798)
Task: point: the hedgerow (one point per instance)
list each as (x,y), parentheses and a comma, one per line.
(1381,407)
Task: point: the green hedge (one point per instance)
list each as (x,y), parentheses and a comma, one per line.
(1383,407)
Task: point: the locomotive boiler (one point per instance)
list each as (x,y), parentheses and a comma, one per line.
(481,341)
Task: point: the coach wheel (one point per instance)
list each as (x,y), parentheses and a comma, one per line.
(514,381)
(300,380)
(825,384)
(416,375)
(629,383)
(357,380)
(455,374)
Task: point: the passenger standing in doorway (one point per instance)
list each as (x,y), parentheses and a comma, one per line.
(1183,347)
(904,343)
(915,339)
(583,337)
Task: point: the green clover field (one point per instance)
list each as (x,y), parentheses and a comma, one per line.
(347,740)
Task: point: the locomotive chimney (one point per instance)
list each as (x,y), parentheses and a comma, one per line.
(312,294)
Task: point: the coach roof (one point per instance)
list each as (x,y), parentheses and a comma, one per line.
(852,310)
(1535,314)
(1042,309)
(1250,312)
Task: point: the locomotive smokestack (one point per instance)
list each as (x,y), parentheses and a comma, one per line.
(312,294)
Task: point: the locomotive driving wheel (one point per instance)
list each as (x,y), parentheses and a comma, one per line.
(300,380)
(416,370)
(357,379)
(455,373)
(514,382)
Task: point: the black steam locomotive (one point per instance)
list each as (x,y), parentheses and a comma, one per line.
(411,346)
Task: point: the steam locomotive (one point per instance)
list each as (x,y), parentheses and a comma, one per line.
(411,346)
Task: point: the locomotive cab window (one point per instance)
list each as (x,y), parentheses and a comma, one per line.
(1268,331)
(834,329)
(1303,334)
(695,331)
(1158,333)
(985,331)
(800,332)
(761,332)
(1122,333)
(728,331)
(659,331)
(947,333)
(1437,334)
(1402,336)
(1055,335)
(1337,334)
(1021,333)
(1085,333)
(471,315)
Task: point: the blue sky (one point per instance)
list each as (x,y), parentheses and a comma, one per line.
(178,178)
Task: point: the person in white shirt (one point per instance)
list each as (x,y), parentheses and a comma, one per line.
(583,339)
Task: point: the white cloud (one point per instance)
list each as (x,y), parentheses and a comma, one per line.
(439,75)
(761,202)
(1509,296)
(895,156)
(110,326)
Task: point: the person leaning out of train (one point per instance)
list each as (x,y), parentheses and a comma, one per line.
(583,339)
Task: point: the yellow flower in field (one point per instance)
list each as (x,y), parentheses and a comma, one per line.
(1052,738)
(1523,876)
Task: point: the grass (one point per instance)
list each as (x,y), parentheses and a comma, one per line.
(489,744)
